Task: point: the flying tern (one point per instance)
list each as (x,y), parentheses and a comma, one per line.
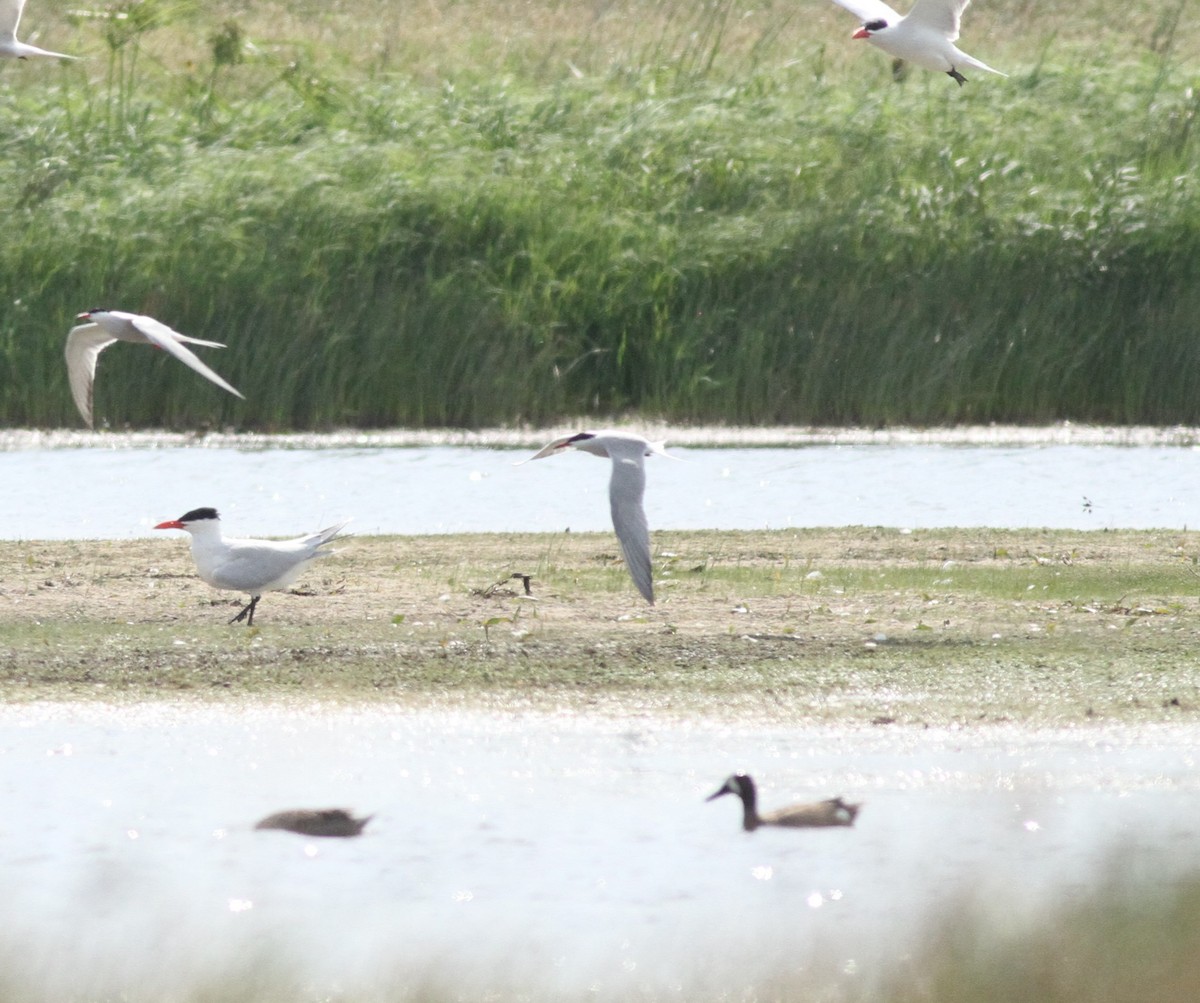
(818,814)
(625,491)
(10,17)
(104,327)
(925,36)
(250,566)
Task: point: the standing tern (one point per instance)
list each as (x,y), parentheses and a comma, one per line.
(625,491)
(250,566)
(10,48)
(925,36)
(818,814)
(104,327)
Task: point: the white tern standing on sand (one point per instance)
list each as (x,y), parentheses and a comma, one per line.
(10,48)
(103,327)
(925,36)
(250,566)
(625,491)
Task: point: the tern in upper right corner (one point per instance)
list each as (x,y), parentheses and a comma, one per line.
(925,36)
(10,17)
(625,490)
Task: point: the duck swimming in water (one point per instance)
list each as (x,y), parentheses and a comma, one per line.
(818,814)
(316,822)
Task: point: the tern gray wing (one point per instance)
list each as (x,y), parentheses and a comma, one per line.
(84,345)
(10,17)
(148,324)
(255,566)
(171,341)
(266,565)
(549,449)
(322,536)
(942,15)
(870,10)
(625,492)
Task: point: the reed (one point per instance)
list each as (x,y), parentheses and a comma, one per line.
(1113,943)
(740,220)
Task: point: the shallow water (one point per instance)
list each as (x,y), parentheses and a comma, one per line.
(103,493)
(560,853)
(568,855)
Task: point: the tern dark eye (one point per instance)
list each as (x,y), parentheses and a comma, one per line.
(878,25)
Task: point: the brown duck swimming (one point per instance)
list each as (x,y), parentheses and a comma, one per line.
(316,822)
(835,811)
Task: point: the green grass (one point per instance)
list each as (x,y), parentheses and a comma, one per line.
(491,216)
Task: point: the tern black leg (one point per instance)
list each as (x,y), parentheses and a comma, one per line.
(247,612)
(953,73)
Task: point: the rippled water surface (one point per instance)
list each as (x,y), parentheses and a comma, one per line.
(92,492)
(570,854)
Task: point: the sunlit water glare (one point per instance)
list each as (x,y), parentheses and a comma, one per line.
(562,854)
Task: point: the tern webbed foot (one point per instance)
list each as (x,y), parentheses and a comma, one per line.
(955,75)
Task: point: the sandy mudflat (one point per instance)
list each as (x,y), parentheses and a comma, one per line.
(855,625)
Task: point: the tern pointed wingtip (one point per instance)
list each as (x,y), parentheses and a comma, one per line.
(660,449)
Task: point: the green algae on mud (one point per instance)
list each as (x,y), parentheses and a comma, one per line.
(850,626)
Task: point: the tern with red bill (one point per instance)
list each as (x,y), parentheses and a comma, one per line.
(10,17)
(625,492)
(250,566)
(925,35)
(104,327)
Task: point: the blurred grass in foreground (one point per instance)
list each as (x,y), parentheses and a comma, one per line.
(1114,944)
(1129,939)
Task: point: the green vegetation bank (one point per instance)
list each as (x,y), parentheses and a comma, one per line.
(471,214)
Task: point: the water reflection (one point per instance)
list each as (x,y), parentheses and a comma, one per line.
(558,852)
